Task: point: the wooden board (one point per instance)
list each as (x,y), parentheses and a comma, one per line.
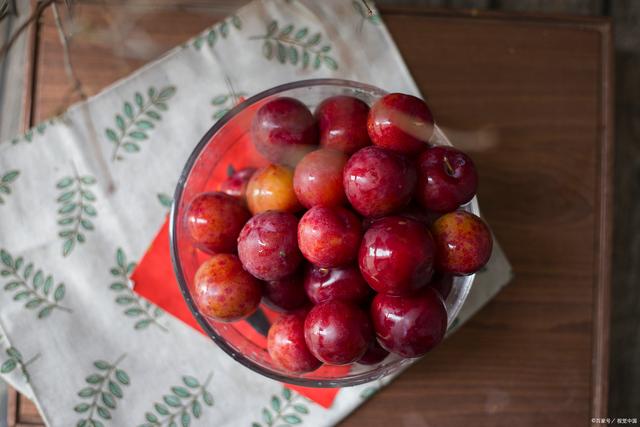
(530,98)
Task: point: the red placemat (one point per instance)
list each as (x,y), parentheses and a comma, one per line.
(155,280)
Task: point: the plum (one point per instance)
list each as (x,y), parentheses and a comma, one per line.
(287,293)
(341,283)
(271,189)
(342,122)
(223,291)
(378,182)
(411,325)
(337,332)
(284,130)
(463,243)
(374,354)
(443,283)
(318,178)
(267,245)
(447,178)
(397,255)
(329,237)
(214,221)
(236,184)
(287,347)
(400,122)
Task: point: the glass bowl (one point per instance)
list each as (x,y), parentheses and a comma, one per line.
(226,144)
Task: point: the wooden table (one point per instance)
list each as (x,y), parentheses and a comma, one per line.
(530,98)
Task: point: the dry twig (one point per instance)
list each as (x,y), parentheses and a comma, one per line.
(79,89)
(7,7)
(369,10)
(68,66)
(40,7)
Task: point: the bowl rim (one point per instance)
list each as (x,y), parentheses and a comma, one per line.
(174,249)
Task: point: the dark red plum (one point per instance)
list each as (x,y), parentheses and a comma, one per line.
(214,221)
(287,293)
(225,292)
(378,182)
(236,184)
(397,255)
(463,243)
(268,247)
(374,354)
(287,347)
(342,122)
(418,213)
(409,326)
(317,180)
(337,332)
(447,178)
(443,283)
(284,130)
(401,123)
(413,211)
(329,237)
(338,283)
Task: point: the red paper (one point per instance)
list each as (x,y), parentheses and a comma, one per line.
(155,280)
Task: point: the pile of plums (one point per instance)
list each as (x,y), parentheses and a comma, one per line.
(353,232)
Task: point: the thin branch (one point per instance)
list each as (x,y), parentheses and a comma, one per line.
(369,10)
(40,7)
(68,66)
(7,7)
(69,4)
(234,95)
(79,89)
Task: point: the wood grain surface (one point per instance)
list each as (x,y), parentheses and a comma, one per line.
(529,97)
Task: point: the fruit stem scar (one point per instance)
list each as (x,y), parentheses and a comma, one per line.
(447,166)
